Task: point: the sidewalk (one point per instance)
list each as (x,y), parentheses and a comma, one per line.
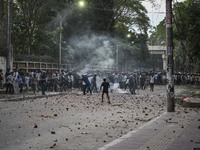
(23,96)
(170,131)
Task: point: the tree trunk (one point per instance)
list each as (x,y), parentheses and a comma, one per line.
(1,9)
(9,46)
(29,44)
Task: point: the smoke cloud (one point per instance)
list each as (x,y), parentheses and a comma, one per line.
(93,51)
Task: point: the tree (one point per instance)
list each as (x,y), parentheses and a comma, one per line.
(131,14)
(36,28)
(25,24)
(158,36)
(186,36)
(3,6)
(187,21)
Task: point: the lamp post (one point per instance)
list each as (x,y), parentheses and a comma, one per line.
(128,35)
(117,53)
(81,3)
(61,18)
(117,56)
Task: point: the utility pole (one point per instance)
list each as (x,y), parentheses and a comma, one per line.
(60,45)
(170,61)
(9,47)
(117,57)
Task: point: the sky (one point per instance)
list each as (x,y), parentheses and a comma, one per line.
(156,12)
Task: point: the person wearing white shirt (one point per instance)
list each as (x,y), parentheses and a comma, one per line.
(27,79)
(15,82)
(152,78)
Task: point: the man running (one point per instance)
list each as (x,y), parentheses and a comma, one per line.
(105,86)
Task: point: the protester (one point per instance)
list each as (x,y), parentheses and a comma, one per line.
(62,84)
(127,83)
(86,83)
(20,83)
(132,84)
(9,87)
(15,82)
(43,82)
(34,82)
(105,86)
(1,79)
(152,79)
(27,79)
(94,83)
(54,80)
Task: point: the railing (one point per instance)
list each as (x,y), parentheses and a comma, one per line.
(27,66)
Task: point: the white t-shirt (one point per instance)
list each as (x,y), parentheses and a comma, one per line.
(27,79)
(15,74)
(127,81)
(10,79)
(152,79)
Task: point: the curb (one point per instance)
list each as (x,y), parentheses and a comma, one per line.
(191,104)
(188,102)
(30,97)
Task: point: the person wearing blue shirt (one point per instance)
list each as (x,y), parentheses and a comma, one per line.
(20,83)
(27,79)
(86,83)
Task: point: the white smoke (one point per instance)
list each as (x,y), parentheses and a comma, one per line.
(99,50)
(115,88)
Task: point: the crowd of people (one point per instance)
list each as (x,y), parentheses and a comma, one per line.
(20,82)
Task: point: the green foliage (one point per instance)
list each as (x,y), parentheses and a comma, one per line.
(131,15)
(187,21)
(186,36)
(38,24)
(158,35)
(3,31)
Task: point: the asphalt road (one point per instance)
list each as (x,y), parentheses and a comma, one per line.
(74,121)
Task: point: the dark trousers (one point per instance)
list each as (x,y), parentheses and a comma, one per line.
(34,88)
(9,87)
(151,86)
(94,88)
(85,87)
(63,87)
(21,87)
(55,87)
(132,89)
(43,88)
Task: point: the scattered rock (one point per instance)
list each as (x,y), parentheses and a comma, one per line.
(35,126)
(53,145)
